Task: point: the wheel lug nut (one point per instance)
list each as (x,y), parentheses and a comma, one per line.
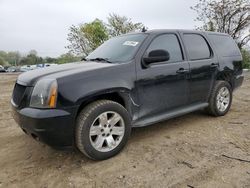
(103,134)
(110,130)
(105,125)
(102,130)
(107,134)
(109,126)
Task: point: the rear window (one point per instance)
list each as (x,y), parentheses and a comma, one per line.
(197,47)
(225,45)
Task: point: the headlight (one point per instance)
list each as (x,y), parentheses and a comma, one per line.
(44,94)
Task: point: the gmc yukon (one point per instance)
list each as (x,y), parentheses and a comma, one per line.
(129,81)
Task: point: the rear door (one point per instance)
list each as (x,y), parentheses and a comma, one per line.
(203,66)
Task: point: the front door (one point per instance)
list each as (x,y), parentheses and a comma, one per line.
(163,86)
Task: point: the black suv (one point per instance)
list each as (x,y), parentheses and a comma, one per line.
(131,80)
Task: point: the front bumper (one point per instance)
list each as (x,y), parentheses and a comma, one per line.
(53,127)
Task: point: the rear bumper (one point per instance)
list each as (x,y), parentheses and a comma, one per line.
(51,126)
(238,81)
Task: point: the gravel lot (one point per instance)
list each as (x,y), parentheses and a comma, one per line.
(194,150)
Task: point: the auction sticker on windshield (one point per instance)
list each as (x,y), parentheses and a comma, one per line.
(130,43)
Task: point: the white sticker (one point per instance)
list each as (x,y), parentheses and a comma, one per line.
(130,43)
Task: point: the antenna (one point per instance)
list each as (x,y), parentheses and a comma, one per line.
(144,29)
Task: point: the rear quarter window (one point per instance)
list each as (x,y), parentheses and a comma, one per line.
(225,45)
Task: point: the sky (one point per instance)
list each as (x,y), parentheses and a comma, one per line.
(43,25)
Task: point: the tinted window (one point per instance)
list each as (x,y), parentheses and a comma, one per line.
(118,49)
(167,42)
(197,47)
(225,45)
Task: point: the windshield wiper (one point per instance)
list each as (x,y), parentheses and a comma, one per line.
(100,59)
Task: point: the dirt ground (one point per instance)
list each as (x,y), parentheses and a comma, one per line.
(189,151)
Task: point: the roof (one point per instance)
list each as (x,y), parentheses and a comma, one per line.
(156,31)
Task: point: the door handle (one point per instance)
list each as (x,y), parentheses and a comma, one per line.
(182,71)
(214,65)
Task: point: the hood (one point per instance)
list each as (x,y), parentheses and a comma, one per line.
(31,77)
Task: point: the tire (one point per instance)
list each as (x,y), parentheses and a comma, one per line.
(97,133)
(217,104)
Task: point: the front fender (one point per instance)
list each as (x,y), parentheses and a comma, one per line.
(124,96)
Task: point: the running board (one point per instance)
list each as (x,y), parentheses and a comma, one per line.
(175,113)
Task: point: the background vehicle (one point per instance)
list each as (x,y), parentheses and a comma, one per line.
(12,69)
(26,68)
(45,65)
(2,69)
(132,80)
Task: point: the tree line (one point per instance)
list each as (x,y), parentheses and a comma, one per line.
(16,59)
(227,16)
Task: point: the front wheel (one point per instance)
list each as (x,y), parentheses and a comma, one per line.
(102,129)
(220,99)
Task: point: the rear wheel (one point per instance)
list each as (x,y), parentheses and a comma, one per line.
(220,99)
(102,129)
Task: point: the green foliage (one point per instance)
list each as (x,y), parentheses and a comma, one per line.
(11,58)
(31,59)
(95,33)
(67,58)
(86,37)
(246,58)
(15,59)
(119,25)
(50,60)
(3,62)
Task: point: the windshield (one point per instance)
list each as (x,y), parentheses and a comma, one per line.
(117,49)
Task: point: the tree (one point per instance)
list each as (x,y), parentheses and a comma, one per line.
(11,58)
(3,62)
(118,25)
(96,33)
(78,42)
(86,37)
(67,58)
(50,60)
(226,16)
(3,55)
(31,59)
(14,58)
(33,52)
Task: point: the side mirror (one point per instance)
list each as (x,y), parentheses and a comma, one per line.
(156,56)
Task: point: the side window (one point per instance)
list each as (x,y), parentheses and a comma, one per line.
(197,47)
(225,45)
(170,43)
